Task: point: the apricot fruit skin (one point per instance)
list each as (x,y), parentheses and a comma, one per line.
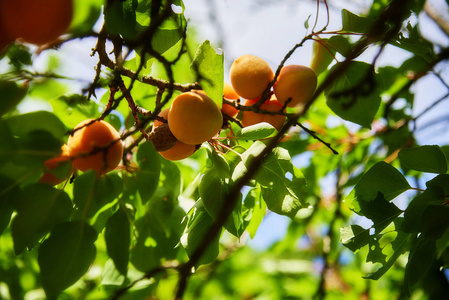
(50,164)
(194,118)
(179,150)
(250,76)
(296,82)
(36,22)
(86,142)
(230,94)
(251,118)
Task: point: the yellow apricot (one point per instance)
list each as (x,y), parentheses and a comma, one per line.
(36,22)
(230,94)
(296,82)
(52,163)
(322,56)
(250,76)
(179,150)
(194,118)
(95,145)
(251,118)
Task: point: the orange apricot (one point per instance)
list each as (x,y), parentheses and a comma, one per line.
(50,164)
(296,82)
(95,145)
(179,150)
(194,118)
(230,94)
(36,22)
(251,118)
(250,76)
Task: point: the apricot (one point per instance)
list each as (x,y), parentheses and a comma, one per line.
(251,118)
(179,150)
(95,145)
(322,56)
(194,118)
(230,94)
(36,22)
(50,164)
(250,76)
(296,82)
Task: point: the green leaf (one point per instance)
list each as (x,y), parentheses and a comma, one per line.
(22,125)
(118,238)
(214,191)
(39,209)
(8,194)
(254,210)
(8,146)
(12,94)
(197,225)
(91,193)
(380,178)
(256,132)
(413,215)
(147,176)
(414,42)
(354,237)
(429,159)
(208,65)
(421,257)
(354,95)
(66,256)
(120,18)
(435,221)
(73,109)
(354,23)
(441,181)
(86,14)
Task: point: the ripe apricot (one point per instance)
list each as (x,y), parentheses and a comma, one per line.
(95,145)
(296,82)
(194,118)
(230,94)
(251,118)
(179,150)
(50,164)
(250,76)
(36,22)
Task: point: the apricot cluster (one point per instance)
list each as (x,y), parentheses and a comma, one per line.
(251,76)
(192,119)
(94,145)
(35,22)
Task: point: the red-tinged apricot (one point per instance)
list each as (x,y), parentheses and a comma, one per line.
(230,94)
(50,164)
(36,22)
(296,82)
(95,145)
(179,150)
(194,118)
(251,118)
(250,76)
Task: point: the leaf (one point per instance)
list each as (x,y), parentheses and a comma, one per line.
(39,209)
(354,95)
(91,193)
(256,132)
(118,238)
(12,94)
(254,210)
(429,159)
(380,178)
(435,221)
(441,181)
(8,194)
(354,237)
(120,18)
(208,65)
(147,176)
(214,192)
(73,109)
(354,23)
(414,43)
(22,125)
(86,14)
(197,225)
(421,257)
(66,256)
(8,146)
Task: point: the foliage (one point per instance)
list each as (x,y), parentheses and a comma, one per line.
(154,228)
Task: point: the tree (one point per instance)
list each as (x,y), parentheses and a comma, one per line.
(160,229)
